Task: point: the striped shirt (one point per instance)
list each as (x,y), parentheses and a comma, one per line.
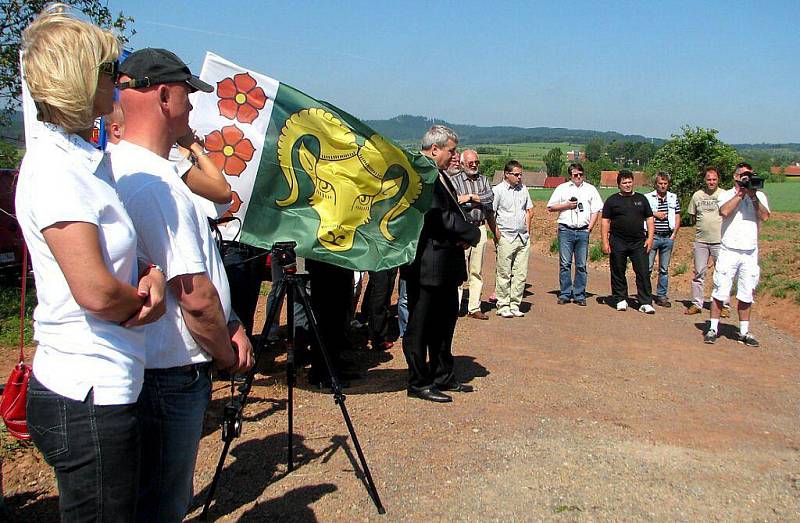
(662,226)
(478,184)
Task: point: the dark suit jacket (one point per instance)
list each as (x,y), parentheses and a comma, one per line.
(439,259)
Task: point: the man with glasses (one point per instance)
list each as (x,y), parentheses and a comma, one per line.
(475,198)
(578,205)
(743,209)
(433,278)
(513,215)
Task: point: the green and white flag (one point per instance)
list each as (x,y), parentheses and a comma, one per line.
(304,171)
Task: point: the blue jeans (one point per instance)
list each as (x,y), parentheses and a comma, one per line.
(572,243)
(402,306)
(93,449)
(172,406)
(663,246)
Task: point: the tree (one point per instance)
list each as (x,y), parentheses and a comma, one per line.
(593,169)
(595,149)
(685,155)
(554,161)
(15,16)
(9,156)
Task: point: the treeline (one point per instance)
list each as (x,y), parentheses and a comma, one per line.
(407,128)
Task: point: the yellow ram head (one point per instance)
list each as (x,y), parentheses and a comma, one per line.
(348,178)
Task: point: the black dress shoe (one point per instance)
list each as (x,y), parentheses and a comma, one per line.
(456,387)
(429,394)
(582,303)
(563,301)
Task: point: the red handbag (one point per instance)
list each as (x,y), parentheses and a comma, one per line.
(12,404)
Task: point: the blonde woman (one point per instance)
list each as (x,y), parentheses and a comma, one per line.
(89,362)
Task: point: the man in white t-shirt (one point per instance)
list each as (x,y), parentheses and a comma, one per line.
(198,326)
(743,209)
(578,205)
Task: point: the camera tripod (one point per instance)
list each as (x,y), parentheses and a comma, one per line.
(293,287)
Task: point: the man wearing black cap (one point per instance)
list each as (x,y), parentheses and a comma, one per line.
(199,327)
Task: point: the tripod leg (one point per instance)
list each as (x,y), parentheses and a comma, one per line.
(230,432)
(290,374)
(339,398)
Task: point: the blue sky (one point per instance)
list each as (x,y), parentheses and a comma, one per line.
(635,67)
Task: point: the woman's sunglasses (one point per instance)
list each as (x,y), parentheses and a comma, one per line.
(111,69)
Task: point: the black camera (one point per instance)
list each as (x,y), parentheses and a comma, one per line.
(283,254)
(580,205)
(750,181)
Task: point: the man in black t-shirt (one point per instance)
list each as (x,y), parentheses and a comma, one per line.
(624,236)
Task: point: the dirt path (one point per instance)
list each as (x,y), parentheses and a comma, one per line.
(579,413)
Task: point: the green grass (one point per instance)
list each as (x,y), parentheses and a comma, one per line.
(778,278)
(9,315)
(528,154)
(783,197)
(681,268)
(780,230)
(554,245)
(596,251)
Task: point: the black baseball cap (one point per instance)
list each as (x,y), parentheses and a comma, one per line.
(151,66)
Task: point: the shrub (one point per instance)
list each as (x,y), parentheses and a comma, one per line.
(596,251)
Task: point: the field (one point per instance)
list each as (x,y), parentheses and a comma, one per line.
(529,154)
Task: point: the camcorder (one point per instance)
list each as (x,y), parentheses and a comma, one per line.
(750,181)
(580,205)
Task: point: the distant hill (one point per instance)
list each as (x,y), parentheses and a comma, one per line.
(407,128)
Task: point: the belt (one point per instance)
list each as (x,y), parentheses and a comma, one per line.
(573,228)
(179,370)
(664,234)
(477,222)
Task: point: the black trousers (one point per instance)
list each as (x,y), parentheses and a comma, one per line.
(378,298)
(331,291)
(244,279)
(620,252)
(427,343)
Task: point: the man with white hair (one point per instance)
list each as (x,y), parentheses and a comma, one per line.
(433,279)
(475,198)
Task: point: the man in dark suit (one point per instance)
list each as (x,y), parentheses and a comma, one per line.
(433,279)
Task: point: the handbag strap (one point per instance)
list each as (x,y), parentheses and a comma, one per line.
(22,303)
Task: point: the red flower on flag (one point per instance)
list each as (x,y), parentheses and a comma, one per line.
(236,204)
(229,150)
(240,98)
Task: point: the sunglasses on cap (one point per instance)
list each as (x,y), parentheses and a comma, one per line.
(110,69)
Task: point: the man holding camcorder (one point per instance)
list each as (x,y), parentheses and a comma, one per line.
(742,208)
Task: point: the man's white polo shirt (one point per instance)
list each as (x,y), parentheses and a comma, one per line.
(174,234)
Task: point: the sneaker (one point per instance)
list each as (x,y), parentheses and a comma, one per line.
(622,305)
(647,309)
(505,313)
(748,339)
(517,313)
(693,309)
(725,312)
(710,337)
